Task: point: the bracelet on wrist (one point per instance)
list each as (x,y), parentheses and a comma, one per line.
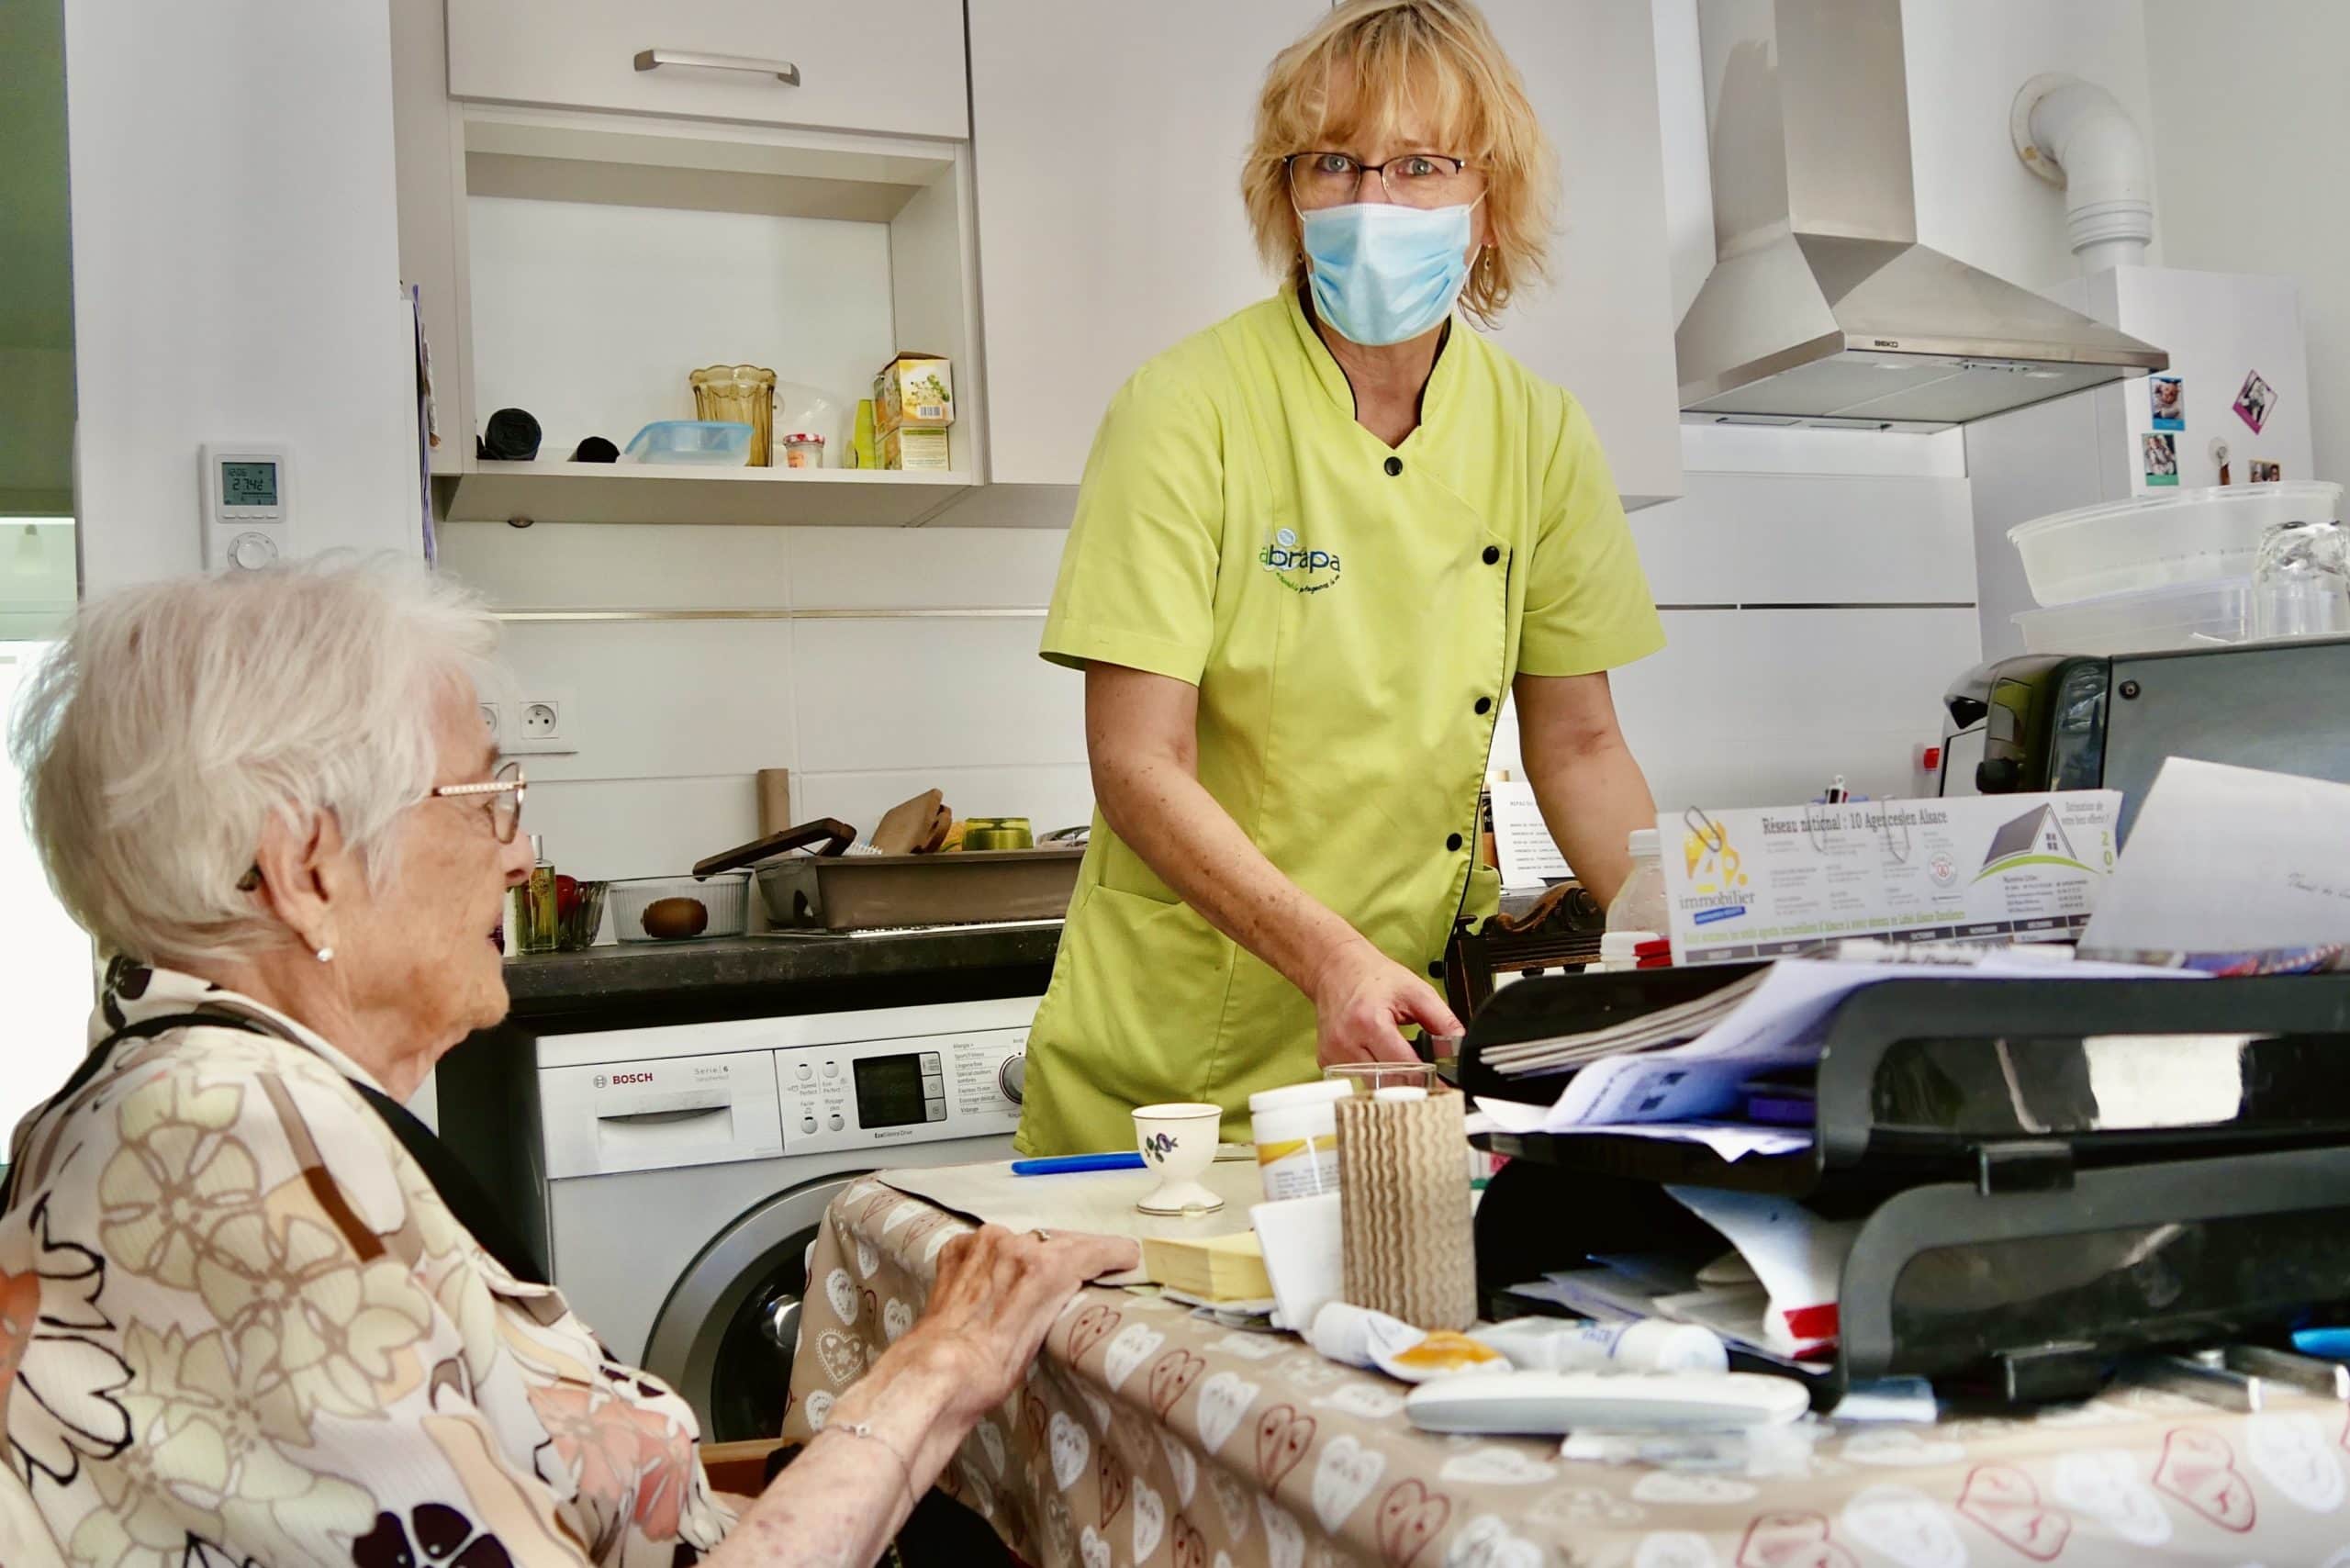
(865,1430)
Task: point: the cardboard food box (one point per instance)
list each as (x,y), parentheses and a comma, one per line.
(922,450)
(916,391)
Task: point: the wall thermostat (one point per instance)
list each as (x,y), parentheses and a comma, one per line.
(248,521)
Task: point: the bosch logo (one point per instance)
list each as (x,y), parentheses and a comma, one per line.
(620,1078)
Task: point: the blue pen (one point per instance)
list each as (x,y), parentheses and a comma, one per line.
(1062,1164)
(2332,1344)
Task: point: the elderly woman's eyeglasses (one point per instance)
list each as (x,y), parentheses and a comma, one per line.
(504,792)
(1411,179)
(504,802)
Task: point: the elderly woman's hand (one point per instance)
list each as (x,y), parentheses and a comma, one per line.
(995,1294)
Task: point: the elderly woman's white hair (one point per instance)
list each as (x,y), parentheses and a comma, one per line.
(156,739)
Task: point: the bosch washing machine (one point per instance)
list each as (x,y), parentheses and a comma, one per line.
(688,1169)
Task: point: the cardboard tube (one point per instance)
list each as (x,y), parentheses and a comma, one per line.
(775,801)
(1404,1209)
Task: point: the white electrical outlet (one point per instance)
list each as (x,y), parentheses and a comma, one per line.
(539,720)
(490,723)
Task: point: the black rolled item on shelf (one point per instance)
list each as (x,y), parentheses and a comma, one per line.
(595,449)
(2034,1208)
(512,435)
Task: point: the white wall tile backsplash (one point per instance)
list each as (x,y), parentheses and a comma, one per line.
(893,693)
(928,568)
(1766,706)
(641,827)
(659,699)
(1750,539)
(930,680)
(558,566)
(900,660)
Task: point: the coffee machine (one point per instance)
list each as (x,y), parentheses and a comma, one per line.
(2073,722)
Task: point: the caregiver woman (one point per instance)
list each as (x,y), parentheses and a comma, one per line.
(1316,545)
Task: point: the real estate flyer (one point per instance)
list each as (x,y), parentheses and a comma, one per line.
(1779,880)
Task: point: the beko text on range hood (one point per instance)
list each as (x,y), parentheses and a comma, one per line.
(1822,304)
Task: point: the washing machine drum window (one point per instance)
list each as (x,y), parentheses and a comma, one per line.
(724,1339)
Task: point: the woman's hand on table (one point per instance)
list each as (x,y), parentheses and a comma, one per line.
(1362,998)
(996,1292)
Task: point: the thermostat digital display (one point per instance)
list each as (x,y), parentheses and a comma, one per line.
(247,521)
(249,485)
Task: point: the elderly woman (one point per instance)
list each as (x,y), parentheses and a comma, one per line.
(248,1310)
(1315,548)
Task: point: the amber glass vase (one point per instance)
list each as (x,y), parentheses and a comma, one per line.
(743,395)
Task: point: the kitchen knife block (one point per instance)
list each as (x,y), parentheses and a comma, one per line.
(1404,1209)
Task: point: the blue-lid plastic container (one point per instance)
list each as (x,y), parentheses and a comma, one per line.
(719,442)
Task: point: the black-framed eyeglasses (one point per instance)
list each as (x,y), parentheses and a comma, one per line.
(1410,179)
(501,796)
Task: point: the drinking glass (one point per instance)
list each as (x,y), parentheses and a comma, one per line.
(2300,581)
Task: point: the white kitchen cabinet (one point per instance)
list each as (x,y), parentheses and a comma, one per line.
(579,263)
(1603,328)
(1108,141)
(897,68)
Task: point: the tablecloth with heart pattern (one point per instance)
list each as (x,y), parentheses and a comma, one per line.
(1146,1436)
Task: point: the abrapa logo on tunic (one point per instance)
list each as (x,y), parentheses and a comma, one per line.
(1296,567)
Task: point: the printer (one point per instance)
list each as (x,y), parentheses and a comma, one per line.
(2051,1177)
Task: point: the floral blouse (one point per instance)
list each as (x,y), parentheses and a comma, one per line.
(238,1327)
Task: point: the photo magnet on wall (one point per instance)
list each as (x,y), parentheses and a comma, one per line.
(2168,396)
(2162,459)
(2253,403)
(2265,472)
(2220,457)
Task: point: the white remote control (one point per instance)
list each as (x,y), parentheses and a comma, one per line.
(1557,1402)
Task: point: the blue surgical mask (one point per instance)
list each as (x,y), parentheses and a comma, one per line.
(1384,274)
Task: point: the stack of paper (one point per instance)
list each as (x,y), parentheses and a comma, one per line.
(1779,1022)
(1672,1025)
(1217,1270)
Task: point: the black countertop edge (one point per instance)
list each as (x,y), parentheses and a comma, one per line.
(638,972)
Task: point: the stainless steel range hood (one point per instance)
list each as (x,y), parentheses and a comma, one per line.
(1822,304)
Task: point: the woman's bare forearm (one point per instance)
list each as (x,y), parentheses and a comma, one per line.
(841,1500)
(1588,784)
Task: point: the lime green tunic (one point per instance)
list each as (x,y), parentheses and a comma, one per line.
(1352,616)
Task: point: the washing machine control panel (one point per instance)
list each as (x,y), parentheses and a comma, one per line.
(875,1092)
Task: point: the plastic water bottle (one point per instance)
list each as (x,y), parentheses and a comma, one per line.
(1638,905)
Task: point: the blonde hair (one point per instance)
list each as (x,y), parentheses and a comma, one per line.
(177,717)
(1357,74)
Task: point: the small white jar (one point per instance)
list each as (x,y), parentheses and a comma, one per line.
(1297,1131)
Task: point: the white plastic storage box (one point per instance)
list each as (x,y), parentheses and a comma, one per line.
(2186,615)
(2160,541)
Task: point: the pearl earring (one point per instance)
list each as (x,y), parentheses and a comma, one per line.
(326,955)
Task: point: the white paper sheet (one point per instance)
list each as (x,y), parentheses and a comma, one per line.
(1797,1256)
(1732,1140)
(2228,859)
(1522,840)
(1304,1255)
(1778,1025)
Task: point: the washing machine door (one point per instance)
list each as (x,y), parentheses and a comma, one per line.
(724,1336)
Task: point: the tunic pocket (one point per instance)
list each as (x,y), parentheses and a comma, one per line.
(1131,1019)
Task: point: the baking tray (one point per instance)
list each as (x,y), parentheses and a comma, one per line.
(858,892)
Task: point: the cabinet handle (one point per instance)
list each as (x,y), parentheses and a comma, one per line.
(782,71)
